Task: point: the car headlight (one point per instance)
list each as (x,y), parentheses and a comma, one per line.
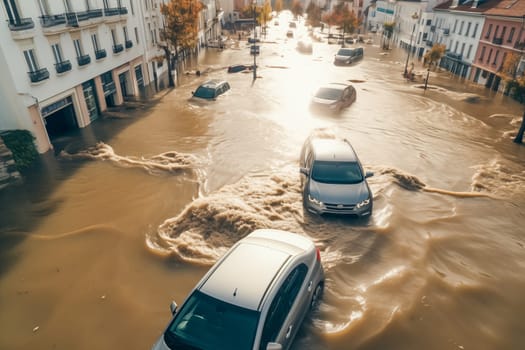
(315,201)
(363,203)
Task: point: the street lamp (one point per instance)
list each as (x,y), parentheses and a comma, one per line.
(414,17)
(254,46)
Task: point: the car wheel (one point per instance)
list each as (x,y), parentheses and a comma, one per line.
(316,297)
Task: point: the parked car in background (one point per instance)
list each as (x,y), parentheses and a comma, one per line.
(346,56)
(255,297)
(332,97)
(211,89)
(332,178)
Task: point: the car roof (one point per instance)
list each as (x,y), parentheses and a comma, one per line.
(263,253)
(333,150)
(335,86)
(213,83)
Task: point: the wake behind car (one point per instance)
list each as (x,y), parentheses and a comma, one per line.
(346,56)
(211,89)
(254,297)
(333,97)
(332,178)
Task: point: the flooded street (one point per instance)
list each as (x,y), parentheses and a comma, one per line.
(134,210)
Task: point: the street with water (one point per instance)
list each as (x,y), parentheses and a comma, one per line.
(129,213)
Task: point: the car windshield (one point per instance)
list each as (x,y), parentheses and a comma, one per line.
(345,52)
(205,92)
(337,172)
(207,323)
(327,93)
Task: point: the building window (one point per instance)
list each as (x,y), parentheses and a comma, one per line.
(88,5)
(106,4)
(456,47)
(511,34)
(44,7)
(496,32)
(125,30)
(490,55)
(31,61)
(114,36)
(136,35)
(131,5)
(475,30)
(94,39)
(482,54)
(488,31)
(455,26)
(461,27)
(503,33)
(468,28)
(495,58)
(78,47)
(469,51)
(57,52)
(67,6)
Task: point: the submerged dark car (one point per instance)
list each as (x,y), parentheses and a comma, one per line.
(345,56)
(211,89)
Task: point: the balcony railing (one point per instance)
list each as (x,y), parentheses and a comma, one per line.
(497,41)
(21,24)
(111,11)
(118,48)
(63,66)
(129,44)
(432,28)
(52,20)
(519,46)
(39,75)
(99,54)
(454,56)
(83,60)
(95,13)
(72,19)
(123,10)
(446,31)
(430,43)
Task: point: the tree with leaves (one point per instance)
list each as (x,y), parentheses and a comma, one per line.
(313,12)
(434,54)
(278,5)
(181,28)
(388,29)
(345,18)
(266,14)
(297,8)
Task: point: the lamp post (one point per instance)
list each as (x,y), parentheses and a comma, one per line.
(414,17)
(254,46)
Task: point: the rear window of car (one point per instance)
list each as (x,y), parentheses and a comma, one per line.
(208,323)
(345,52)
(337,172)
(205,92)
(327,93)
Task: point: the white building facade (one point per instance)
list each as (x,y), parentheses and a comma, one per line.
(65,62)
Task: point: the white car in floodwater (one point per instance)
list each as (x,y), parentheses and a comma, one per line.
(255,297)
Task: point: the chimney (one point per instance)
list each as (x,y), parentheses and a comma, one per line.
(455,3)
(475,4)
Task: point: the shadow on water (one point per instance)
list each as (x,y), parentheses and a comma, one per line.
(23,205)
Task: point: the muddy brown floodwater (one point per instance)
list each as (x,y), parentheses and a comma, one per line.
(131,211)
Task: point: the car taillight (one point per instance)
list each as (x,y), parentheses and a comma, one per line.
(318,254)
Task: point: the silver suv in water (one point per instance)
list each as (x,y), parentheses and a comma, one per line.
(332,178)
(254,298)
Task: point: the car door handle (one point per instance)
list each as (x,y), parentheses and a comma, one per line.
(310,286)
(289,332)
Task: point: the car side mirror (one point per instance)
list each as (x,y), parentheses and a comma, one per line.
(304,171)
(173,307)
(274,346)
(369,174)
